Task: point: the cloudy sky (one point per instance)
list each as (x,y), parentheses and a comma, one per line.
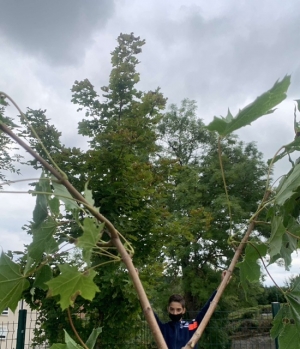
(221,53)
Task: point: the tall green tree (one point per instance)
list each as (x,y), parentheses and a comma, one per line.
(8,157)
(118,167)
(198,220)
(122,131)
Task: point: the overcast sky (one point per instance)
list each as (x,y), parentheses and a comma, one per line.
(221,53)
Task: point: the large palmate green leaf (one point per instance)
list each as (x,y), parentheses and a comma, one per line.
(88,195)
(285,329)
(43,240)
(289,245)
(286,324)
(12,283)
(289,187)
(40,211)
(263,105)
(71,283)
(54,205)
(289,337)
(275,241)
(282,242)
(92,231)
(61,192)
(249,268)
(277,323)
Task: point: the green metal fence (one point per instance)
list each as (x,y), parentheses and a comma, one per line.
(247,329)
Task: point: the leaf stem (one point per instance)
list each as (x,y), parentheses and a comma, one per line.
(263,262)
(293,235)
(224,182)
(13,192)
(74,330)
(98,265)
(261,207)
(23,180)
(262,222)
(105,253)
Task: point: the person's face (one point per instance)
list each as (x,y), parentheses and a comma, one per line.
(176,308)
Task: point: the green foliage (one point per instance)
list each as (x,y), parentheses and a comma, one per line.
(118,165)
(288,149)
(289,188)
(61,192)
(263,105)
(90,343)
(183,132)
(294,145)
(12,283)
(47,133)
(43,241)
(271,294)
(92,232)
(215,336)
(286,324)
(196,218)
(122,181)
(40,212)
(71,344)
(8,160)
(284,213)
(63,281)
(249,268)
(42,276)
(72,283)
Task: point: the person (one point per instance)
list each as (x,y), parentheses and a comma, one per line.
(178,332)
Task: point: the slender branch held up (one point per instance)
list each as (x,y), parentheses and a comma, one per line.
(197,335)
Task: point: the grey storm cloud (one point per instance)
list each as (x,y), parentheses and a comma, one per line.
(227,57)
(56,30)
(221,53)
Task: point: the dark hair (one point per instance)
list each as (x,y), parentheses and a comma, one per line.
(177,298)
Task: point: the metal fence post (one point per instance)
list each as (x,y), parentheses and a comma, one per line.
(275,309)
(21,329)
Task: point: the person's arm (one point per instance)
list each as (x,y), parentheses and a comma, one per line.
(204,309)
(157,319)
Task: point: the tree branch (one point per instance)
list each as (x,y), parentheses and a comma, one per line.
(197,335)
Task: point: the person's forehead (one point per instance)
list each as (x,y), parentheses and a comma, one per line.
(175,305)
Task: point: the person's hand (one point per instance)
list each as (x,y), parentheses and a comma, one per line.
(224,272)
